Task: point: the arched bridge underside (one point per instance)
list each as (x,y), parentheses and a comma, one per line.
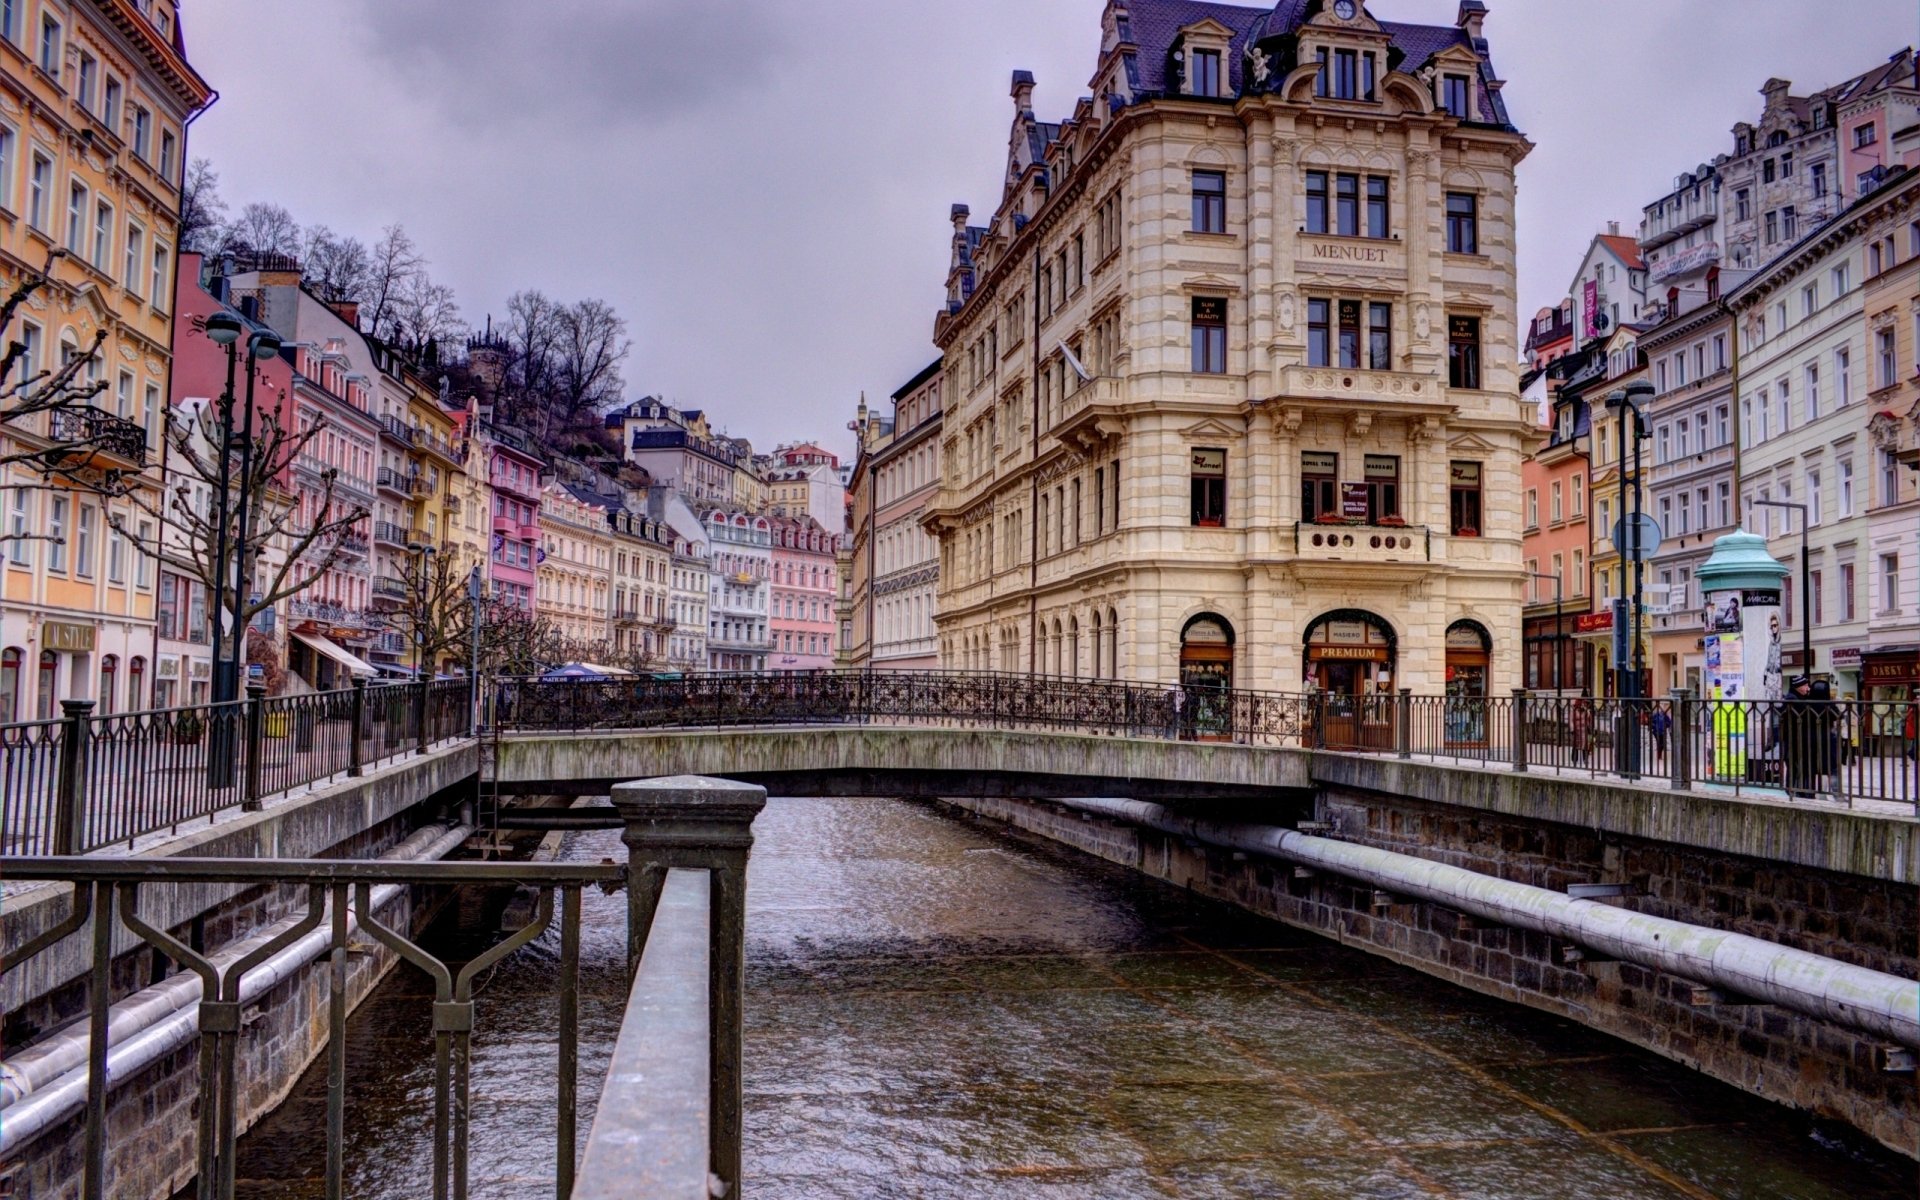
(871,760)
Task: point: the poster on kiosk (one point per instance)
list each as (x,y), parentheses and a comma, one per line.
(1741,587)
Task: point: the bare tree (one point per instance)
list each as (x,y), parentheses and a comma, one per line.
(263,228)
(428,315)
(202,211)
(300,524)
(334,267)
(396,263)
(437,617)
(591,346)
(52,427)
(515,641)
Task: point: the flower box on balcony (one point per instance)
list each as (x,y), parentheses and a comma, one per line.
(1392,522)
(1466,531)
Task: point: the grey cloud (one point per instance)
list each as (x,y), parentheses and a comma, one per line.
(488,62)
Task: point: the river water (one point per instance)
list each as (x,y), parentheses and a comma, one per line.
(938,1009)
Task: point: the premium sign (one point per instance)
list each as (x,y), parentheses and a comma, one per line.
(1351,653)
(66,636)
(1346,252)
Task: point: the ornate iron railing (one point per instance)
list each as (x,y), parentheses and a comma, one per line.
(90,781)
(924,697)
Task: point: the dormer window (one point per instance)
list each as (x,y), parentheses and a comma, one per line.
(1205,79)
(1345,74)
(1453,96)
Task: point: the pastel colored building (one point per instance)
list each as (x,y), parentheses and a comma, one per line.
(802,590)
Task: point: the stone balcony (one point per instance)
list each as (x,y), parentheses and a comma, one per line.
(1344,385)
(1367,546)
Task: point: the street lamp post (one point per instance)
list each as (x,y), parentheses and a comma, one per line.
(224,330)
(1625,403)
(1806,573)
(420,555)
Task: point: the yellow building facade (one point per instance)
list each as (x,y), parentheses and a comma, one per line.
(575,572)
(1230,388)
(94,101)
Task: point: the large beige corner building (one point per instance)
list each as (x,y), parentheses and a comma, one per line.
(1230,389)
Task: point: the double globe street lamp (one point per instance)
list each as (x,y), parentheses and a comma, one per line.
(231,565)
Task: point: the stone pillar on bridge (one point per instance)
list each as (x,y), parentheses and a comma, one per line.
(705,824)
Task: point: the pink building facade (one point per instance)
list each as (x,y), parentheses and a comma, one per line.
(804,580)
(514,473)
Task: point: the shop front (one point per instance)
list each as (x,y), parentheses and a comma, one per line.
(1469,658)
(1890,683)
(1206,677)
(1350,657)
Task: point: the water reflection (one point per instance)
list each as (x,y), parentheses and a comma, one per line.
(938,1010)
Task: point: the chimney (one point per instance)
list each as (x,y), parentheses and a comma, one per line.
(958,214)
(346,310)
(1022,92)
(1613,227)
(1472,18)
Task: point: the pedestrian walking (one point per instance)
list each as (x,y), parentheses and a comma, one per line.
(1580,728)
(1910,729)
(1658,723)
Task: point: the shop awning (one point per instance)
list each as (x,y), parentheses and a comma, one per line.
(337,652)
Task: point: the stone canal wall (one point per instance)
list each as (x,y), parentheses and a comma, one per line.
(1868,919)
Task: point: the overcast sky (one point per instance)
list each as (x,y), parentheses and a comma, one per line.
(761,186)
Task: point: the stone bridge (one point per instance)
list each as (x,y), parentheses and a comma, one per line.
(870,760)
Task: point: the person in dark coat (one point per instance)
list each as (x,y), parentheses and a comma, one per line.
(1802,738)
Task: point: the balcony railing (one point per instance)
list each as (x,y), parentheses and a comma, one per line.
(390,534)
(396,428)
(100,430)
(396,481)
(1361,543)
(1353,383)
(386,587)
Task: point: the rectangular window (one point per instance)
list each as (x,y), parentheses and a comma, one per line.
(1347,205)
(50,47)
(1380,337)
(1319,484)
(159,285)
(9,142)
(10,29)
(1889,583)
(1768,171)
(1889,477)
(84,82)
(1099,501)
(1813,391)
(1725,494)
(1789,223)
(1843,377)
(1376,206)
(1849,602)
(1579,495)
(1463,223)
(40,192)
(1773,225)
(1720,352)
(167,151)
(1209,335)
(83,542)
(1742,205)
(1846,488)
(1842,277)
(1453,95)
(1209,202)
(1209,488)
(1817,597)
(57,534)
(1350,334)
(110,106)
(19,524)
(136,258)
(77,214)
(1383,486)
(1883,352)
(142,132)
(1816,499)
(1533,508)
(1206,73)
(1818,175)
(1346,75)
(1864,136)
(1320,75)
(1316,202)
(1463,352)
(1319,333)
(102,235)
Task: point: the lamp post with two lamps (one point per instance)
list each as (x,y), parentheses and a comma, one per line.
(233,566)
(1625,404)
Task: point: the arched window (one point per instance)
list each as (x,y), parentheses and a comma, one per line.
(10,660)
(109,683)
(1099,646)
(1113,644)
